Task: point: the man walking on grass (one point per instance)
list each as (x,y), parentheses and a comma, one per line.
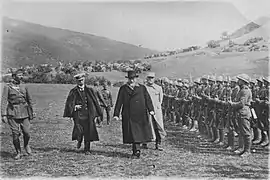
(134,103)
(156,93)
(17,111)
(83,107)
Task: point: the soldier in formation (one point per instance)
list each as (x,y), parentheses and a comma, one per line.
(216,106)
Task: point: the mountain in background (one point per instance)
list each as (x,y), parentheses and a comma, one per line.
(27,44)
(260,22)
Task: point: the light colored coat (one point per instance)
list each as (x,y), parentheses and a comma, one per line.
(156,93)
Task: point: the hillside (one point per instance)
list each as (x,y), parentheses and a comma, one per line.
(225,63)
(27,43)
(244,30)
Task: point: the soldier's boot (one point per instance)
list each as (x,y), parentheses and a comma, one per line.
(87,148)
(257,136)
(221,137)
(194,126)
(216,135)
(247,147)
(27,148)
(16,143)
(209,133)
(240,147)
(230,145)
(266,140)
(144,146)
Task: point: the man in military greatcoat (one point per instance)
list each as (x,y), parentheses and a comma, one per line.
(17,111)
(83,107)
(134,104)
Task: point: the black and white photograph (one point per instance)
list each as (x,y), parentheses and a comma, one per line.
(146,89)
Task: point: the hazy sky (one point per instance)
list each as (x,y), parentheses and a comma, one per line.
(154,25)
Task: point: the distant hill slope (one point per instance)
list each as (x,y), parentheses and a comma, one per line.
(226,63)
(244,30)
(27,43)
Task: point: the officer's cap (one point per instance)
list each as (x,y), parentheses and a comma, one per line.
(79,75)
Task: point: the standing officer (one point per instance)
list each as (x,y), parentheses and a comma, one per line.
(242,105)
(107,96)
(83,107)
(17,111)
(135,103)
(156,94)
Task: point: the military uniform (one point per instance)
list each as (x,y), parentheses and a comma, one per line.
(242,105)
(107,96)
(16,105)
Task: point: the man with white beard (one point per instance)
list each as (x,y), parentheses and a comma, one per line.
(156,93)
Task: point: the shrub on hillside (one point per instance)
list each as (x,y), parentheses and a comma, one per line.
(213,44)
(252,41)
(118,84)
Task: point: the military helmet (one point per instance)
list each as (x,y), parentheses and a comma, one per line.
(185,81)
(219,78)
(179,80)
(267,79)
(204,77)
(234,79)
(260,79)
(197,80)
(253,81)
(212,78)
(244,77)
(227,79)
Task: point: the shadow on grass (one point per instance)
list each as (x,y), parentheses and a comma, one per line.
(5,155)
(121,146)
(236,172)
(81,151)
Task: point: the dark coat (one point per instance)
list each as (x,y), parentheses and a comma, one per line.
(135,104)
(75,98)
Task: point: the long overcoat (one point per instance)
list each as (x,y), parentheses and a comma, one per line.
(156,93)
(136,105)
(75,98)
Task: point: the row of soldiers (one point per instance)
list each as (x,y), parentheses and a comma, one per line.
(204,106)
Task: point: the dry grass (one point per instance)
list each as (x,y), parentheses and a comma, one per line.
(55,154)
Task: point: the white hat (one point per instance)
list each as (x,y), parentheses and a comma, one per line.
(79,75)
(151,74)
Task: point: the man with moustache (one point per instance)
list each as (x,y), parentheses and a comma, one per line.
(17,111)
(83,107)
(134,104)
(156,93)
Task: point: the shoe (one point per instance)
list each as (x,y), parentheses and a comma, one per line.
(184,127)
(144,146)
(256,141)
(136,155)
(221,143)
(159,148)
(229,148)
(264,143)
(79,144)
(28,150)
(192,129)
(244,154)
(87,152)
(18,156)
(216,141)
(238,151)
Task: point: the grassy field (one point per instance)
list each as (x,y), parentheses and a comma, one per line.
(55,155)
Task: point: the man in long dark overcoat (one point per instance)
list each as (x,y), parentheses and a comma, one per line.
(136,105)
(83,107)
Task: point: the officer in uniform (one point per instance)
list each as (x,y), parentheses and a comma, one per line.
(107,96)
(17,111)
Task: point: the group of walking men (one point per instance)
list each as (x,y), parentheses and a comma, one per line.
(237,106)
(139,106)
